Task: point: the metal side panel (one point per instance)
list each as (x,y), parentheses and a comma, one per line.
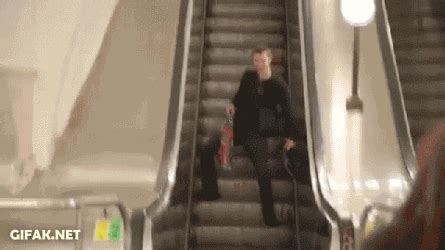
(356,156)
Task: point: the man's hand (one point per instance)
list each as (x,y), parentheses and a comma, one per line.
(289,144)
(230,109)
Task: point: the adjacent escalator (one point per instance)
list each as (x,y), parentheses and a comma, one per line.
(417,30)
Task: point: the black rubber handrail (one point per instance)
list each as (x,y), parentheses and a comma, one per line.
(196,126)
(297,238)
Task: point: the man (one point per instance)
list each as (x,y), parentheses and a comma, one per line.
(257,88)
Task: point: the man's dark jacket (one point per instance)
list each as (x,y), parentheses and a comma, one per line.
(275,91)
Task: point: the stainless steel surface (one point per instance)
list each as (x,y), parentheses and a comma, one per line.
(356,157)
(169,163)
(313,121)
(395,89)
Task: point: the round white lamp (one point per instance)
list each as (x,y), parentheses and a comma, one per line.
(358,12)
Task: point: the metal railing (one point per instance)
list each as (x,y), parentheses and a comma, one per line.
(395,89)
(169,162)
(287,9)
(72,203)
(313,125)
(196,127)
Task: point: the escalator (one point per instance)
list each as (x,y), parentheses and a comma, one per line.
(417,30)
(223,34)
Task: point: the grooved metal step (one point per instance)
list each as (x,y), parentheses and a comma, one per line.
(275,146)
(246,25)
(220,89)
(264,2)
(282,191)
(242,167)
(424,90)
(423,72)
(238,40)
(426,107)
(421,56)
(420,125)
(237,56)
(244,236)
(216,72)
(411,24)
(418,40)
(247,10)
(249,214)
(272,238)
(412,9)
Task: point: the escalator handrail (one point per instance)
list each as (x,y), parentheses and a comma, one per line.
(72,203)
(395,90)
(196,126)
(290,82)
(313,123)
(169,162)
(58,203)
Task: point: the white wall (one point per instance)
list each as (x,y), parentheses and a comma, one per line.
(125,102)
(39,34)
(362,155)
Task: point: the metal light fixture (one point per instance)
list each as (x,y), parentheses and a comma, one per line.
(358,12)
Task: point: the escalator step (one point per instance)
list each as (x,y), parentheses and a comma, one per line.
(274,145)
(239,40)
(420,55)
(217,72)
(244,236)
(237,56)
(242,167)
(263,2)
(418,40)
(249,214)
(246,190)
(411,23)
(247,10)
(246,25)
(273,238)
(423,72)
(431,90)
(426,107)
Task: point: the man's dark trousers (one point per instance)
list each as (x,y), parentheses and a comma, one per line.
(257,150)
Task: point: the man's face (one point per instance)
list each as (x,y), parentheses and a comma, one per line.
(261,61)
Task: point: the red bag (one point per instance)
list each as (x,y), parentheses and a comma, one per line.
(224,152)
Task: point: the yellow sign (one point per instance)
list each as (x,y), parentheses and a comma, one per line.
(101,230)
(108,230)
